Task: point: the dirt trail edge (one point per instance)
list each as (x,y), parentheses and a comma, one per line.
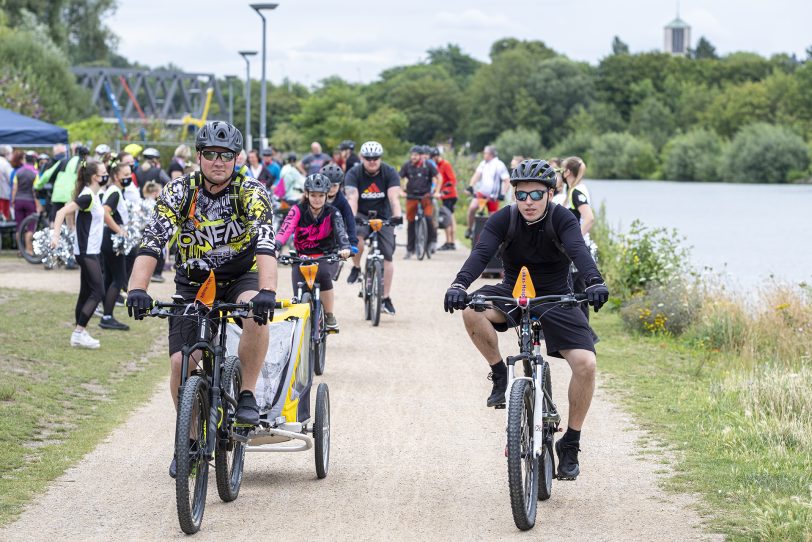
(415,453)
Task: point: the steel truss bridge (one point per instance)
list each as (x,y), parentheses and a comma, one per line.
(131,95)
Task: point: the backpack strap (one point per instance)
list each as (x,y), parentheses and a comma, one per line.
(235,192)
(513,229)
(549,231)
(189,203)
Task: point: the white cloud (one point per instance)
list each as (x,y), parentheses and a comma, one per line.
(471,19)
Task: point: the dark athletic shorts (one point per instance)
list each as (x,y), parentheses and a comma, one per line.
(386,239)
(450,203)
(183,330)
(565,328)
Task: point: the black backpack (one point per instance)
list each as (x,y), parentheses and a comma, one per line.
(548,232)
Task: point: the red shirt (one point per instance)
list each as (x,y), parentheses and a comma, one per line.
(448,188)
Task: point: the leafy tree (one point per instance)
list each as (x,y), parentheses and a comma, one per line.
(323,103)
(519,142)
(695,156)
(534,47)
(738,105)
(745,158)
(652,120)
(287,138)
(619,47)
(704,49)
(619,78)
(623,156)
(458,64)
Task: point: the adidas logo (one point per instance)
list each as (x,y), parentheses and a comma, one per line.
(372,192)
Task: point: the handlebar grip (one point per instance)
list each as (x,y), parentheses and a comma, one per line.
(282,304)
(580,297)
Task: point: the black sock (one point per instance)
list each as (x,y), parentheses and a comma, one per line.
(499,368)
(571,435)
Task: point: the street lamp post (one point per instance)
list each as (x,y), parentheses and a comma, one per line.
(246,55)
(230,79)
(263,91)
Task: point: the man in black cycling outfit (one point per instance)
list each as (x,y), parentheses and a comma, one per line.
(223,223)
(546,254)
(375,186)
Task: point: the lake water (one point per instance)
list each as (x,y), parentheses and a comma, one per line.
(749,231)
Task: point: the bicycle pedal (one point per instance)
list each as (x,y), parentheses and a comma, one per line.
(503,406)
(332,332)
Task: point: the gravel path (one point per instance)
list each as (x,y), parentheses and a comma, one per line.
(415,453)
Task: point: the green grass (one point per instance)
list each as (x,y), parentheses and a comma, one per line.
(754,474)
(56,402)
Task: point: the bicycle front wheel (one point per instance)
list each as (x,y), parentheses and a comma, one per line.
(230,457)
(320,334)
(376,295)
(31,222)
(523,472)
(421,236)
(190,448)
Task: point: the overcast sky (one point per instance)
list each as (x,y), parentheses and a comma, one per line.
(309,40)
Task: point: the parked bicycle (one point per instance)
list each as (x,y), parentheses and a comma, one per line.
(206,427)
(532,417)
(372,279)
(309,291)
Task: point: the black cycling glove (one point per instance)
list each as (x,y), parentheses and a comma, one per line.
(139,303)
(455,298)
(396,220)
(597,295)
(262,305)
(470,190)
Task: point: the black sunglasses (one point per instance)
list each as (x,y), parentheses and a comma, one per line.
(371,158)
(225,156)
(535,195)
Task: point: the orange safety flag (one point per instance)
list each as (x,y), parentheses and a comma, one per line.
(524,285)
(309,271)
(207,291)
(376,224)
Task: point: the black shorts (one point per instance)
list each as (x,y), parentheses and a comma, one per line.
(324,276)
(565,328)
(184,330)
(386,239)
(450,203)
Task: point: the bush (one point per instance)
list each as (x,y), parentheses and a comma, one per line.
(764,153)
(622,156)
(695,156)
(521,142)
(667,309)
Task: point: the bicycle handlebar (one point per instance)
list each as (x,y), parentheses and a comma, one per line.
(238,310)
(290,260)
(478,301)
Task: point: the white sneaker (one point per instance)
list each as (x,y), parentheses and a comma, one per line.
(82,339)
(99,310)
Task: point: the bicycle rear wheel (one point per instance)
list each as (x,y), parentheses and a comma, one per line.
(25,225)
(230,457)
(321,431)
(547,459)
(376,295)
(421,236)
(192,477)
(320,336)
(523,472)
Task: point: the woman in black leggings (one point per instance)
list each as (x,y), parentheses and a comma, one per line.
(89,218)
(115,216)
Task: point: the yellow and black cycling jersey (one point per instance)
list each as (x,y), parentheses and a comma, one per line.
(223,231)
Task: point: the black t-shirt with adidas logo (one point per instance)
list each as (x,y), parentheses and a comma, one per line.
(372,189)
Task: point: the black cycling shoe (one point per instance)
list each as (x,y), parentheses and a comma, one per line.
(112,323)
(247,409)
(353,276)
(387,307)
(567,453)
(500,383)
(173,468)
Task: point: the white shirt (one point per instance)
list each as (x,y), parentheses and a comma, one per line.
(493,172)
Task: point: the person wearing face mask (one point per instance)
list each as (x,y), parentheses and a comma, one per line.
(89,217)
(115,217)
(222,222)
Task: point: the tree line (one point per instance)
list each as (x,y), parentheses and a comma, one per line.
(703,117)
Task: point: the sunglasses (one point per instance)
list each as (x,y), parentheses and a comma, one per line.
(372,159)
(535,195)
(225,156)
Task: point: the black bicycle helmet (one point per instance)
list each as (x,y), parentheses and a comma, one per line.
(218,133)
(538,171)
(291,158)
(425,149)
(82,151)
(347,144)
(317,183)
(416,148)
(333,172)
(434,151)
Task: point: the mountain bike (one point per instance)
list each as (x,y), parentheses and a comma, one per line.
(532,417)
(310,292)
(372,280)
(422,240)
(206,426)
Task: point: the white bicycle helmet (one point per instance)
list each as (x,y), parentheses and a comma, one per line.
(102,149)
(371,149)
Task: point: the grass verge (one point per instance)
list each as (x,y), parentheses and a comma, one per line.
(57,403)
(751,468)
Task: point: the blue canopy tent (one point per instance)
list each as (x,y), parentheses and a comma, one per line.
(21,131)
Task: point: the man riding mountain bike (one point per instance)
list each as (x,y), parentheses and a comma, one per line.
(421,177)
(222,221)
(544,237)
(375,186)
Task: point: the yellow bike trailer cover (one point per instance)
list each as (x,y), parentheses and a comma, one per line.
(283,386)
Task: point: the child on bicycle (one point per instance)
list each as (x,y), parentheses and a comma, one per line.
(317,229)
